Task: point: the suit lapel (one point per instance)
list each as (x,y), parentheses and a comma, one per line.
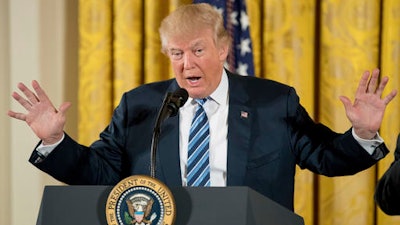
(239,122)
(169,152)
(168,161)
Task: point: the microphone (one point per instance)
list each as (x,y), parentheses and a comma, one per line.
(169,108)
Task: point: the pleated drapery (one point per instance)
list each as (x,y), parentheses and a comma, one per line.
(320,47)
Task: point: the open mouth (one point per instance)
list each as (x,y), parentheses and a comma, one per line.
(193,78)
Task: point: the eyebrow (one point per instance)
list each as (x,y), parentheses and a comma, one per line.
(196,44)
(174,49)
(199,42)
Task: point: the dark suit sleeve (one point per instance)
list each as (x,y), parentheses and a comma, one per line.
(324,151)
(123,147)
(99,163)
(387,192)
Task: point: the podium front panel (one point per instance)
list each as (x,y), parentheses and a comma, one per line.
(82,205)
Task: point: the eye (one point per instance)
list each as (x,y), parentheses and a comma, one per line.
(175,55)
(198,51)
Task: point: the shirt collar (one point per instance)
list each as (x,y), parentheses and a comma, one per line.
(220,95)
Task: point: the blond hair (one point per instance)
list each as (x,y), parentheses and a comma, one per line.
(188,18)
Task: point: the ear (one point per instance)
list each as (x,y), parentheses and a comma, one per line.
(223,52)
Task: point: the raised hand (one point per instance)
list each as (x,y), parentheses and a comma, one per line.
(42,117)
(366,113)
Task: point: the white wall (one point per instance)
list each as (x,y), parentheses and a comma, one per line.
(38,40)
(4,121)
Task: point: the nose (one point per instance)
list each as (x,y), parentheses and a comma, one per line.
(188,61)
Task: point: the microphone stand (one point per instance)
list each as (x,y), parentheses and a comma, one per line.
(154,144)
(170,107)
(156,134)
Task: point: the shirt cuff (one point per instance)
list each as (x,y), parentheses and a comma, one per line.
(368,145)
(45,150)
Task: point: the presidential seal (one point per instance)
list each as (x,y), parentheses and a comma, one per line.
(140,200)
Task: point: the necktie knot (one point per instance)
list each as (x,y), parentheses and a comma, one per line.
(201,101)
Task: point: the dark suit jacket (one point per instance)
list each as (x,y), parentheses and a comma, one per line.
(263,148)
(387,192)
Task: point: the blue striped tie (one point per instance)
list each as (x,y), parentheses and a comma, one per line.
(198,155)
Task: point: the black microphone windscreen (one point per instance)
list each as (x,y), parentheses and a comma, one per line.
(182,95)
(177,100)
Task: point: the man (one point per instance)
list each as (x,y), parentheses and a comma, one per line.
(258,130)
(387,193)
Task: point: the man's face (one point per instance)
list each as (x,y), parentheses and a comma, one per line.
(197,62)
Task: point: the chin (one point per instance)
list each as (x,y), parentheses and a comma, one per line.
(197,92)
(194,94)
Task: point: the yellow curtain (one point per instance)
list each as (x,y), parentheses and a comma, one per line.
(349,45)
(283,40)
(95,68)
(390,64)
(320,47)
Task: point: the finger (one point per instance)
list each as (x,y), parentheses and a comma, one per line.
(18,116)
(382,86)
(390,97)
(64,107)
(373,81)
(42,96)
(28,93)
(22,101)
(346,102)
(363,84)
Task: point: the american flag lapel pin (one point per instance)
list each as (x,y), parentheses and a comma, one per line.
(244,114)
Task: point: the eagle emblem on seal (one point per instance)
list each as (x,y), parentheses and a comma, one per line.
(139,207)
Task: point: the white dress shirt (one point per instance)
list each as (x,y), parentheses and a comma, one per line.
(217,112)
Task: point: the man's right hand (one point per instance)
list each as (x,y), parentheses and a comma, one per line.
(42,117)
